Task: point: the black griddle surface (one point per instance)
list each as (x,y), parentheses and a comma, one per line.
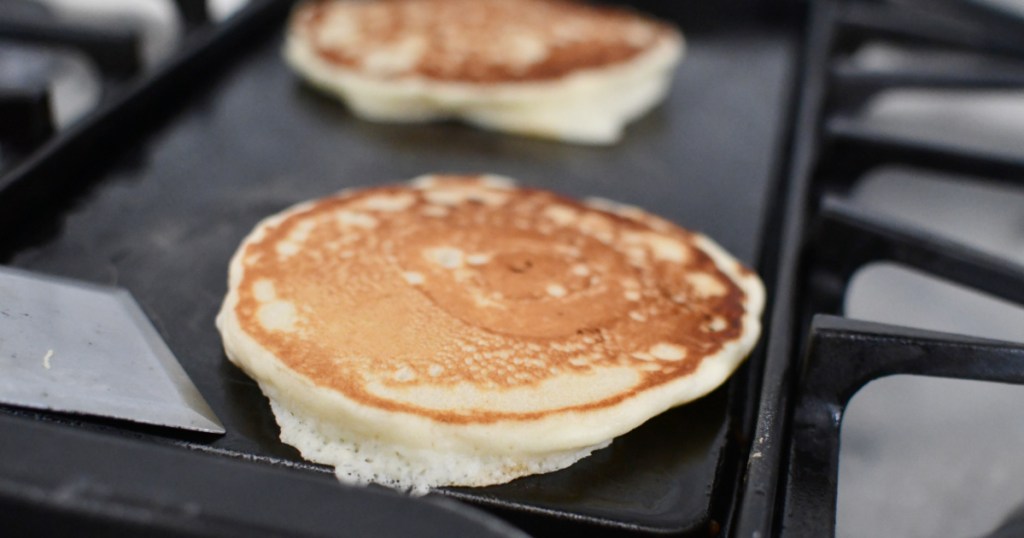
(163,216)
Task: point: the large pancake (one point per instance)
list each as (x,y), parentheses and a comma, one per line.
(459,319)
(551,68)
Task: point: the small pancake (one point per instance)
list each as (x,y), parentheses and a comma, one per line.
(462,331)
(551,68)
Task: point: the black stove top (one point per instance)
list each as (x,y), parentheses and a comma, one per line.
(820,165)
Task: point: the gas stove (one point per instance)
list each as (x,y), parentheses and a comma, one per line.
(865,156)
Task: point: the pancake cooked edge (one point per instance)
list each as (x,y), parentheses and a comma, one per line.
(548,68)
(462,331)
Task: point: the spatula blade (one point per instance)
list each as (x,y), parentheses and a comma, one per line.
(82,348)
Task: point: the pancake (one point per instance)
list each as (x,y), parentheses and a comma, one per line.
(548,68)
(463,331)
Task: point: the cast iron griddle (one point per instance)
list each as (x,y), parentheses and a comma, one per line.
(164,214)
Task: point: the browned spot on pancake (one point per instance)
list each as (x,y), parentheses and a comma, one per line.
(478,41)
(475,297)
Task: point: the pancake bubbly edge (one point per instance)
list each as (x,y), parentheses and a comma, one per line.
(463,331)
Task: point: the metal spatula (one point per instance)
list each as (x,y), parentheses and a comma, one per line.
(82,348)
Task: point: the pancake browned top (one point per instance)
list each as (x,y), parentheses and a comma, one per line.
(475,41)
(462,281)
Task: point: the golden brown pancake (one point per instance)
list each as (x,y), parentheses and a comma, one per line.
(541,67)
(460,319)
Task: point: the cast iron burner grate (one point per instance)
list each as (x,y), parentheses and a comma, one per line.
(37,44)
(827,238)
(32,153)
